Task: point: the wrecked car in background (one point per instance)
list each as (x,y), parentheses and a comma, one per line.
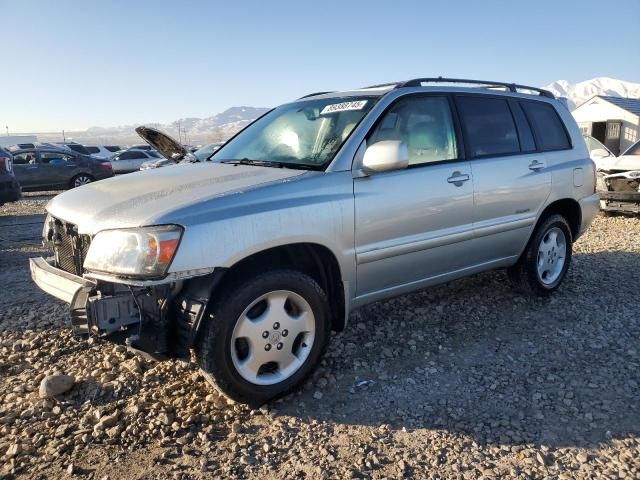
(618,181)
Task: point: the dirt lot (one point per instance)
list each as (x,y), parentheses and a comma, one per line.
(465,380)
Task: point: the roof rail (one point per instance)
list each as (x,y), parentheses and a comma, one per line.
(513,87)
(314,94)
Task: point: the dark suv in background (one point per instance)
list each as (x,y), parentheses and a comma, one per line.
(46,166)
(9,186)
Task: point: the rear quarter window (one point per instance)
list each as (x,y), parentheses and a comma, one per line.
(547,126)
(488,126)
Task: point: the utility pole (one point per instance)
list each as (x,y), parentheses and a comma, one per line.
(63,137)
(7,127)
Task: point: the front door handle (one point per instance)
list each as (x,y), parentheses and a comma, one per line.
(458,178)
(536,165)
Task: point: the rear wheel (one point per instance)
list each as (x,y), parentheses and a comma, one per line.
(544,264)
(264,335)
(81,179)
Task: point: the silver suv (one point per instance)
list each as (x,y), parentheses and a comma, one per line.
(318,207)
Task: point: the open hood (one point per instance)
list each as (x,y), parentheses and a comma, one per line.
(163,143)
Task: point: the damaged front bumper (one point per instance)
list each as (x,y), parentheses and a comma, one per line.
(159,319)
(619,191)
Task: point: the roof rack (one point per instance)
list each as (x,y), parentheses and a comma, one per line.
(513,87)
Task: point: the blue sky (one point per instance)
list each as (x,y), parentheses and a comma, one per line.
(75,64)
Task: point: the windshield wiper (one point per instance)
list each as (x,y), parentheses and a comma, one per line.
(270,163)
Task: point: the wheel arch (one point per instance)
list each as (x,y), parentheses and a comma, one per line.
(569,208)
(313,259)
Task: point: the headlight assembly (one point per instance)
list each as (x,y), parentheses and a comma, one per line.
(137,252)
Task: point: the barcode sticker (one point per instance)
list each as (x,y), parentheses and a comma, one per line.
(343,107)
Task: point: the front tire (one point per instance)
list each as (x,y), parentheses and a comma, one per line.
(544,263)
(263,336)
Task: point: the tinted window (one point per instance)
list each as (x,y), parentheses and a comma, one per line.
(527,144)
(112,148)
(24,158)
(153,154)
(55,158)
(424,124)
(93,150)
(547,126)
(488,126)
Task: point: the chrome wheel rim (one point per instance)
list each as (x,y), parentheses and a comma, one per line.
(273,337)
(81,180)
(552,254)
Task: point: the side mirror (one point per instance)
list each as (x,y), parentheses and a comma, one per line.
(599,153)
(385,156)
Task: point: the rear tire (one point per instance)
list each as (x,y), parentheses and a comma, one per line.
(264,335)
(544,263)
(80,179)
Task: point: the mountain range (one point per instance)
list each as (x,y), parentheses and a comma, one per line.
(219,127)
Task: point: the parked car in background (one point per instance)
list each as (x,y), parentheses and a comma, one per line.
(132,159)
(172,151)
(49,167)
(9,187)
(619,181)
(597,151)
(74,146)
(321,206)
(103,151)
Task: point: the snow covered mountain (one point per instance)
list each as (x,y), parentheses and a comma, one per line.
(194,131)
(577,93)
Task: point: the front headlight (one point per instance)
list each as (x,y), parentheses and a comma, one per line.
(135,252)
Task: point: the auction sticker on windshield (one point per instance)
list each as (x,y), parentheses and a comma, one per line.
(343,107)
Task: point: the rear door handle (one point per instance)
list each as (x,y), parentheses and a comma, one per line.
(458,178)
(536,165)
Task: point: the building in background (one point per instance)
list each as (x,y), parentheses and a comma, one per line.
(614,121)
(7,140)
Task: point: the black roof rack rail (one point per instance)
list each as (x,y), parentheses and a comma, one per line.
(314,94)
(380,85)
(513,87)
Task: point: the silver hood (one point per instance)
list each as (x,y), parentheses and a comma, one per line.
(141,198)
(623,162)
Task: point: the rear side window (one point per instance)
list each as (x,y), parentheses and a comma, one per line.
(488,126)
(527,144)
(547,126)
(93,150)
(112,148)
(132,155)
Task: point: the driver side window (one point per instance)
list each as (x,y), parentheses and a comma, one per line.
(424,125)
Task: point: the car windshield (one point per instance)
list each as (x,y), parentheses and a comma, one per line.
(633,149)
(306,133)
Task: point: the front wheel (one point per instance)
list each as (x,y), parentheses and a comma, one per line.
(264,335)
(544,264)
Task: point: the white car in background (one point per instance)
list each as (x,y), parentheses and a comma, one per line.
(200,155)
(103,152)
(131,160)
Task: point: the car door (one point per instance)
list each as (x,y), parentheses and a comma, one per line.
(511,178)
(56,168)
(416,224)
(25,167)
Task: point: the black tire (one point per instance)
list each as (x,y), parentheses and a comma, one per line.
(80,177)
(524,274)
(213,346)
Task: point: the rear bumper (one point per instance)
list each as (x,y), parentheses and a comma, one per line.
(10,190)
(62,285)
(589,206)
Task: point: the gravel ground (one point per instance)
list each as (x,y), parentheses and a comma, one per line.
(465,380)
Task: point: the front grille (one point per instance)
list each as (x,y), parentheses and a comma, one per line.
(69,247)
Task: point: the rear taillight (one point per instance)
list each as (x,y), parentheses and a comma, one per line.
(106,165)
(4,164)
